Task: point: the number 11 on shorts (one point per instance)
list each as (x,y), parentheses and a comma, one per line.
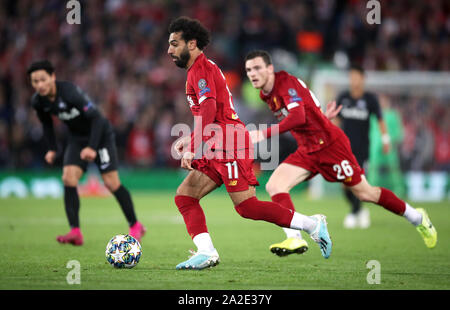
(232,167)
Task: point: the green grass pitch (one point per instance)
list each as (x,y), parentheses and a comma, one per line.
(32,259)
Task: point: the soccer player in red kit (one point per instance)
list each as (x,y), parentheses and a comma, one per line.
(323,148)
(228,159)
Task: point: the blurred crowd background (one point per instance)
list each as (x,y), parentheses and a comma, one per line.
(118,55)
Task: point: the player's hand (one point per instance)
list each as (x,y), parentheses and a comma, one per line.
(186,161)
(88,154)
(50,157)
(332,111)
(256,136)
(181,144)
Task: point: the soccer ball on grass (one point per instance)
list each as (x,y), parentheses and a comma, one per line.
(123,251)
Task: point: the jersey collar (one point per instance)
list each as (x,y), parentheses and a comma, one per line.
(197,60)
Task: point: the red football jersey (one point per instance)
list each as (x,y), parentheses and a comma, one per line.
(205,81)
(291,97)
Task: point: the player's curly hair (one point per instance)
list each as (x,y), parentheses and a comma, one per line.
(191,29)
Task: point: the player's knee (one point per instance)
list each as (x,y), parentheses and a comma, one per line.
(69,179)
(365,196)
(112,185)
(273,188)
(181,191)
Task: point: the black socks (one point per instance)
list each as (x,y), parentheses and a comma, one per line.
(124,198)
(72,205)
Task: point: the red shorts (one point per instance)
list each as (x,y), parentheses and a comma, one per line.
(236,174)
(336,162)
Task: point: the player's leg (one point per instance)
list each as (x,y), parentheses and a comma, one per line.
(282,180)
(107,161)
(70,177)
(194,187)
(73,169)
(250,207)
(123,197)
(357,216)
(387,199)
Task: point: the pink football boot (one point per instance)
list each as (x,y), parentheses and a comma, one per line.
(137,231)
(73,237)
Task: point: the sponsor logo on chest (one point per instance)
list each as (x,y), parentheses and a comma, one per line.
(358,111)
(65,116)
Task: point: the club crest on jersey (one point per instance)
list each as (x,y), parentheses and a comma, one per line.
(277,105)
(361,104)
(294,96)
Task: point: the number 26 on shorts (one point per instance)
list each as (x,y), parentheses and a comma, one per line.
(343,170)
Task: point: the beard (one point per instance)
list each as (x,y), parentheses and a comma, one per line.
(183,59)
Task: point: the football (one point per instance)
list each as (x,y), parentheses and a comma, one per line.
(123,251)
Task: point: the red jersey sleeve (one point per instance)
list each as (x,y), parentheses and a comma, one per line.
(204,86)
(293,102)
(295,119)
(205,116)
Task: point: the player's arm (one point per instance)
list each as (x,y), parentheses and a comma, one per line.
(385,138)
(205,117)
(49,134)
(205,90)
(337,119)
(90,111)
(295,118)
(332,110)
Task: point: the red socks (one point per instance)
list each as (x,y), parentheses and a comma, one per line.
(272,212)
(389,201)
(276,212)
(284,199)
(193,215)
